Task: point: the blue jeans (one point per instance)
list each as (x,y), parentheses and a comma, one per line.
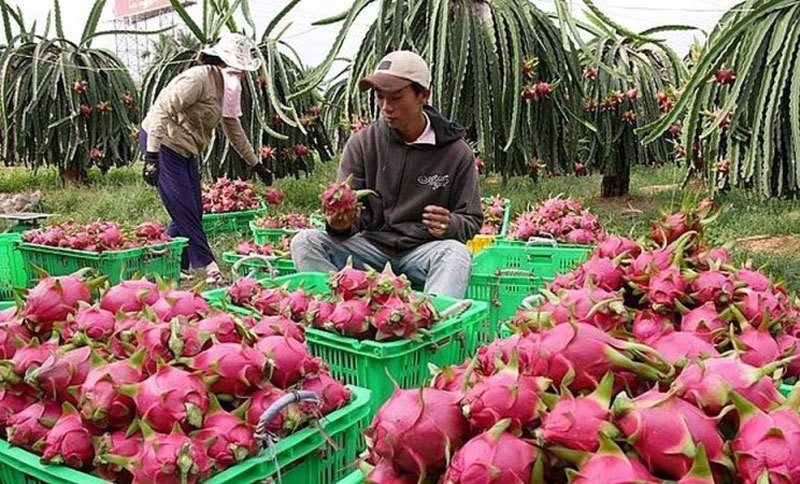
(441,267)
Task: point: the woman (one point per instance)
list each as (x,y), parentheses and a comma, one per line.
(179,127)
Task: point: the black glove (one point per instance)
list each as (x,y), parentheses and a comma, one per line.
(263,173)
(150,170)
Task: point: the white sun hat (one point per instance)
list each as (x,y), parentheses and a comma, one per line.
(235,50)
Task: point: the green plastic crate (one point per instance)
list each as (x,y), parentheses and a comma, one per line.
(356,477)
(785,389)
(6,305)
(283,267)
(307,456)
(370,364)
(12,266)
(504,275)
(216,224)
(161,259)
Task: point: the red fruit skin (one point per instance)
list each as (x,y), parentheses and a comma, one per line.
(70,442)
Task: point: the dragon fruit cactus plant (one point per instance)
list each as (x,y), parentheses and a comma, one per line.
(340,202)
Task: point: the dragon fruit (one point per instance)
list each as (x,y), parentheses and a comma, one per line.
(12,403)
(766,446)
(156,339)
(665,287)
(711,286)
(754,279)
(268,301)
(575,422)
(295,304)
(350,283)
(319,313)
(278,326)
(665,429)
(597,307)
(289,418)
(679,347)
(168,397)
(604,273)
(650,262)
(394,319)
(700,473)
(69,441)
(13,335)
(233,369)
(504,395)
(28,428)
(705,322)
(131,295)
(89,323)
(709,383)
(456,378)
(175,303)
(384,473)
(669,228)
(227,437)
(760,308)
(386,285)
(340,201)
(220,327)
(756,346)
(493,456)
(52,300)
(417,429)
(62,371)
(610,466)
(614,246)
(26,359)
(100,403)
(332,393)
(243,290)
(289,359)
(117,444)
(649,325)
(351,317)
(499,352)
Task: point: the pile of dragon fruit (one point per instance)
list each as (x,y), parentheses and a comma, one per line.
(562,219)
(655,360)
(226,195)
(147,383)
(250,247)
(494,210)
(361,304)
(286,221)
(97,236)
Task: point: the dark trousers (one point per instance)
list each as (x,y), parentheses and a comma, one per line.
(180,188)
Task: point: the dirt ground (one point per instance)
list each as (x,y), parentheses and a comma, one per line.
(771,244)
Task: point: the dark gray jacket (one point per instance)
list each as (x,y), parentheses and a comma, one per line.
(409,177)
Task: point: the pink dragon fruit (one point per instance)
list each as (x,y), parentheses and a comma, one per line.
(386,285)
(394,319)
(670,228)
(597,307)
(493,456)
(709,383)
(582,237)
(268,301)
(756,346)
(175,303)
(63,370)
(131,295)
(665,287)
(604,273)
(170,396)
(289,418)
(713,256)
(332,393)
(766,446)
(569,280)
(754,279)
(665,429)
(12,403)
(351,317)
(117,444)
(100,403)
(680,347)
(649,325)
(650,262)
(156,339)
(613,246)
(29,428)
(52,300)
(278,326)
(244,290)
(220,327)
(575,422)
(89,323)
(319,313)
(423,311)
(705,322)
(350,283)
(760,308)
(289,359)
(790,345)
(458,378)
(504,395)
(610,466)
(227,438)
(69,442)
(711,286)
(26,359)
(295,305)
(233,367)
(13,335)
(499,352)
(384,473)
(340,201)
(417,429)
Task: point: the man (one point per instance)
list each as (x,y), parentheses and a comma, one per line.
(427,204)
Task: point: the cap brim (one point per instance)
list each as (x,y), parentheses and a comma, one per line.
(231,61)
(383,82)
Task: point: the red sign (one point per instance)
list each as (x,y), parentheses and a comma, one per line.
(123,8)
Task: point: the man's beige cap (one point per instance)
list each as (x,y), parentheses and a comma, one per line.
(397,70)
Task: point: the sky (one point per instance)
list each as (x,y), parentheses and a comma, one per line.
(313,43)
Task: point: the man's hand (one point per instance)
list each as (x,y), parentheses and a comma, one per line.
(150,170)
(263,173)
(344,221)
(437,219)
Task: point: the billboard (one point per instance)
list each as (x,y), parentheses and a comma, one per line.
(125,8)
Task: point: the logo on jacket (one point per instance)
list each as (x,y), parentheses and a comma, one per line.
(435,181)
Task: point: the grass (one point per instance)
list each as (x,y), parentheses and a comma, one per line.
(121,195)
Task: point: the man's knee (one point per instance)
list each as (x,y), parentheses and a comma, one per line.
(453,251)
(306,239)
